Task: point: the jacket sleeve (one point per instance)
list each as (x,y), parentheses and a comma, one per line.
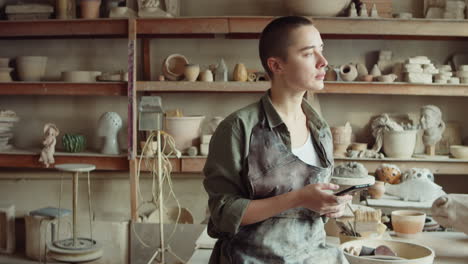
(223,182)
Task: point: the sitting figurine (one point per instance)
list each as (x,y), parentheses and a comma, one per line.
(47,154)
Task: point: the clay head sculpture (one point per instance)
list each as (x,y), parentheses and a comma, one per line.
(431,122)
(109,125)
(47,154)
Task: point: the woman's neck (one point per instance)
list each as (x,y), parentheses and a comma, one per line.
(287,101)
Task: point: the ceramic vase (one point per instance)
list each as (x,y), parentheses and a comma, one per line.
(377,190)
(31,68)
(399,144)
(90,8)
(240,73)
(185,130)
(348,72)
(331,75)
(191,72)
(74,143)
(206,76)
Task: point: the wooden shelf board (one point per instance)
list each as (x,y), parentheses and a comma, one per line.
(394,88)
(86,28)
(62,88)
(370,28)
(30,159)
(227,87)
(182,26)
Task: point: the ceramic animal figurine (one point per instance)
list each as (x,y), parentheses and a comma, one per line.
(109,125)
(388,173)
(419,190)
(47,154)
(417,173)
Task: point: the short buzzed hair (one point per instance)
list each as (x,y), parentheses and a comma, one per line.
(275,38)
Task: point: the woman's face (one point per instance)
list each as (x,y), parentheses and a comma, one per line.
(304,68)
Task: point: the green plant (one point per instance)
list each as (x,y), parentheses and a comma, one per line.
(74,143)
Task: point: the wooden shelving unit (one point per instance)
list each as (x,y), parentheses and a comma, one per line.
(83,28)
(218,87)
(62,88)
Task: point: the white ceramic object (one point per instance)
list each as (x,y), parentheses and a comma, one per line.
(353,181)
(191,72)
(375,71)
(316,7)
(109,125)
(173,67)
(7,229)
(5,74)
(408,223)
(348,72)
(79,76)
(399,144)
(387,78)
(122,12)
(206,76)
(185,130)
(31,68)
(459,151)
(412,252)
(419,190)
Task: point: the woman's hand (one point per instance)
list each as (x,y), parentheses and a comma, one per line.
(314,197)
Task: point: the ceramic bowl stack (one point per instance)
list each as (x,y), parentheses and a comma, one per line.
(8,119)
(5,70)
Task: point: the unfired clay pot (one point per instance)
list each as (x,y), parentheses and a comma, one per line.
(316,7)
(348,72)
(191,72)
(358,146)
(331,74)
(408,223)
(185,130)
(31,68)
(206,76)
(90,8)
(377,190)
(240,73)
(399,144)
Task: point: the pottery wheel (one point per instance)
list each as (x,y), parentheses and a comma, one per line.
(64,251)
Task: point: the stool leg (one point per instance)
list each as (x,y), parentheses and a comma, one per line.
(75,206)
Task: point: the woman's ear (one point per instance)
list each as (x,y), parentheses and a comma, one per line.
(275,64)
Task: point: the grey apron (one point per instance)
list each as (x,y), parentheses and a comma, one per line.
(295,236)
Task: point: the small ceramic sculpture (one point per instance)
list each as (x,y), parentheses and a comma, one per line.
(417,173)
(191,72)
(433,125)
(353,10)
(206,76)
(74,143)
(221,74)
(47,154)
(341,138)
(240,73)
(150,8)
(214,123)
(419,190)
(109,125)
(348,72)
(350,170)
(362,70)
(375,71)
(379,125)
(363,12)
(388,173)
(374,12)
(377,190)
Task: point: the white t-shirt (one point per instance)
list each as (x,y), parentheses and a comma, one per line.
(307,153)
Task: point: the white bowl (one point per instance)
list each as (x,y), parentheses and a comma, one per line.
(411,252)
(408,223)
(316,7)
(459,151)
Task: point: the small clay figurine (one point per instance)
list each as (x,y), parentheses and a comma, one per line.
(47,154)
(388,173)
(433,125)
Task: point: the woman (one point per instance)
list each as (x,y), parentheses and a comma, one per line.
(269,163)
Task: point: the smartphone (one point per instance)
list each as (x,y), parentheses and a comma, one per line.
(353,189)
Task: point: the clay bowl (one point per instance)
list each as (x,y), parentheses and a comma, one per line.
(408,253)
(173,67)
(408,223)
(459,151)
(316,7)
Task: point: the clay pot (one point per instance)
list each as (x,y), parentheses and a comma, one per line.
(5,74)
(316,7)
(367,78)
(90,8)
(185,130)
(408,223)
(31,68)
(63,9)
(240,73)
(376,71)
(348,72)
(206,76)
(362,70)
(459,152)
(173,67)
(399,144)
(339,150)
(358,146)
(377,190)
(331,75)
(341,134)
(388,78)
(191,72)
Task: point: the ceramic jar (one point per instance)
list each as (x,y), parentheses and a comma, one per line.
(240,73)
(90,8)
(185,130)
(377,190)
(331,75)
(348,72)
(31,68)
(74,143)
(399,144)
(5,74)
(191,72)
(206,76)
(341,139)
